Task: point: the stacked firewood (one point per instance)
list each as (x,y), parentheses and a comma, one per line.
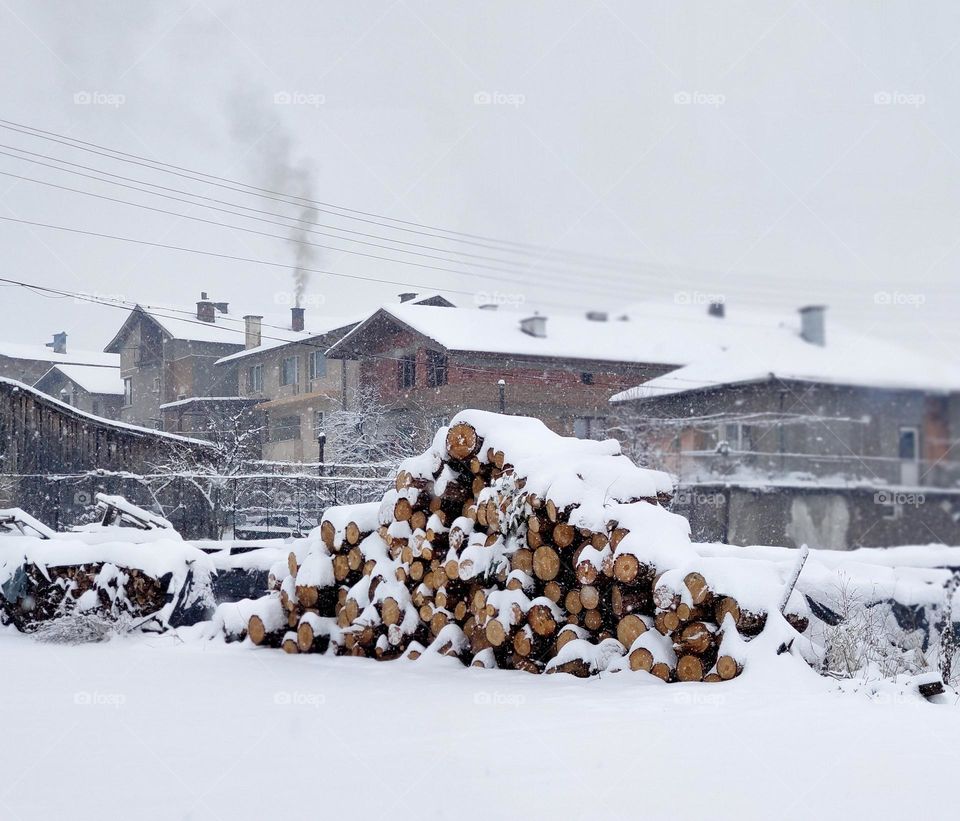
(34,594)
(508,546)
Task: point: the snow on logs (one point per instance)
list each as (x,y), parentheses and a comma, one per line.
(506,545)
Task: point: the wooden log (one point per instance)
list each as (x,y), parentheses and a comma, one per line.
(546,563)
(463,442)
(630,628)
(728,668)
(689,668)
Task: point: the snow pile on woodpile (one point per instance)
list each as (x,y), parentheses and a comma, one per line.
(506,545)
(102,576)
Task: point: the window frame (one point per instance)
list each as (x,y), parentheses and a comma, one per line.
(407,371)
(313,371)
(128,391)
(438,369)
(283,371)
(255,378)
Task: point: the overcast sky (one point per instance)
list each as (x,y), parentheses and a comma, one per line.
(773,153)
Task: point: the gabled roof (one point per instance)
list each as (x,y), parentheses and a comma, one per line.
(278,337)
(176,323)
(92,378)
(650,341)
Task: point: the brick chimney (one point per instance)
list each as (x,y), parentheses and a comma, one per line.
(812,324)
(252,327)
(296,318)
(59,343)
(535,325)
(206,310)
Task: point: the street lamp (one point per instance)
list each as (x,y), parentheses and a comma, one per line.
(321,444)
(501,385)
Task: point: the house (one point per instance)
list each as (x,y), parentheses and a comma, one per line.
(427,363)
(28,363)
(96,389)
(167,355)
(286,376)
(799,433)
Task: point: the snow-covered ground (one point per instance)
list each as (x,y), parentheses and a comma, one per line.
(160,728)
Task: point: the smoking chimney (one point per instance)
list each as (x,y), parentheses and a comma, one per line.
(59,343)
(296,318)
(812,324)
(252,327)
(535,325)
(206,310)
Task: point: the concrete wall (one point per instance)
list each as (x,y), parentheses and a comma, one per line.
(827,517)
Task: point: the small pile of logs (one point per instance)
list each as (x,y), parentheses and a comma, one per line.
(35,595)
(469,558)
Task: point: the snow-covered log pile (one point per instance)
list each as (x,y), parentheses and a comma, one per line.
(506,545)
(42,580)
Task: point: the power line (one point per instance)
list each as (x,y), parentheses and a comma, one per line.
(317,205)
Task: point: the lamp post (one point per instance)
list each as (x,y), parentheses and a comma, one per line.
(321,444)
(501,385)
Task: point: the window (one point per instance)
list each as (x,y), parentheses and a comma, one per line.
(736,435)
(255,379)
(436,369)
(290,370)
(127,391)
(589,427)
(318,365)
(586,378)
(286,428)
(156,384)
(908,444)
(407,371)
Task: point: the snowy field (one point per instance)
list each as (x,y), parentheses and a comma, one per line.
(159,728)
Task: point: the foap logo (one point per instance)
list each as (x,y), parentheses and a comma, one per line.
(693,498)
(900,98)
(306,98)
(295,698)
(85,698)
(289,299)
(501,98)
(496,698)
(698,298)
(899,298)
(704,98)
(687,698)
(101,98)
(499,298)
(893,497)
(83,498)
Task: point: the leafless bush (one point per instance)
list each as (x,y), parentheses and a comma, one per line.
(82,628)
(868,642)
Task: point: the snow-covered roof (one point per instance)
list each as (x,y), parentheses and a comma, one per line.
(41,353)
(662,335)
(92,378)
(779,352)
(204,400)
(110,423)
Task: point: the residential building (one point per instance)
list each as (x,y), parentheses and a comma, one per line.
(428,362)
(95,389)
(285,374)
(799,433)
(167,355)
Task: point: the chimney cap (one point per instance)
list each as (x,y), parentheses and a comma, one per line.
(253,316)
(812,324)
(717,309)
(203,295)
(535,325)
(597,316)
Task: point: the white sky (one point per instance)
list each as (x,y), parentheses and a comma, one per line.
(782,182)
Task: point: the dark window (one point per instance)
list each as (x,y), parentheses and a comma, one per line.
(586,377)
(407,371)
(286,427)
(590,427)
(290,370)
(908,443)
(127,391)
(255,379)
(436,369)
(318,365)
